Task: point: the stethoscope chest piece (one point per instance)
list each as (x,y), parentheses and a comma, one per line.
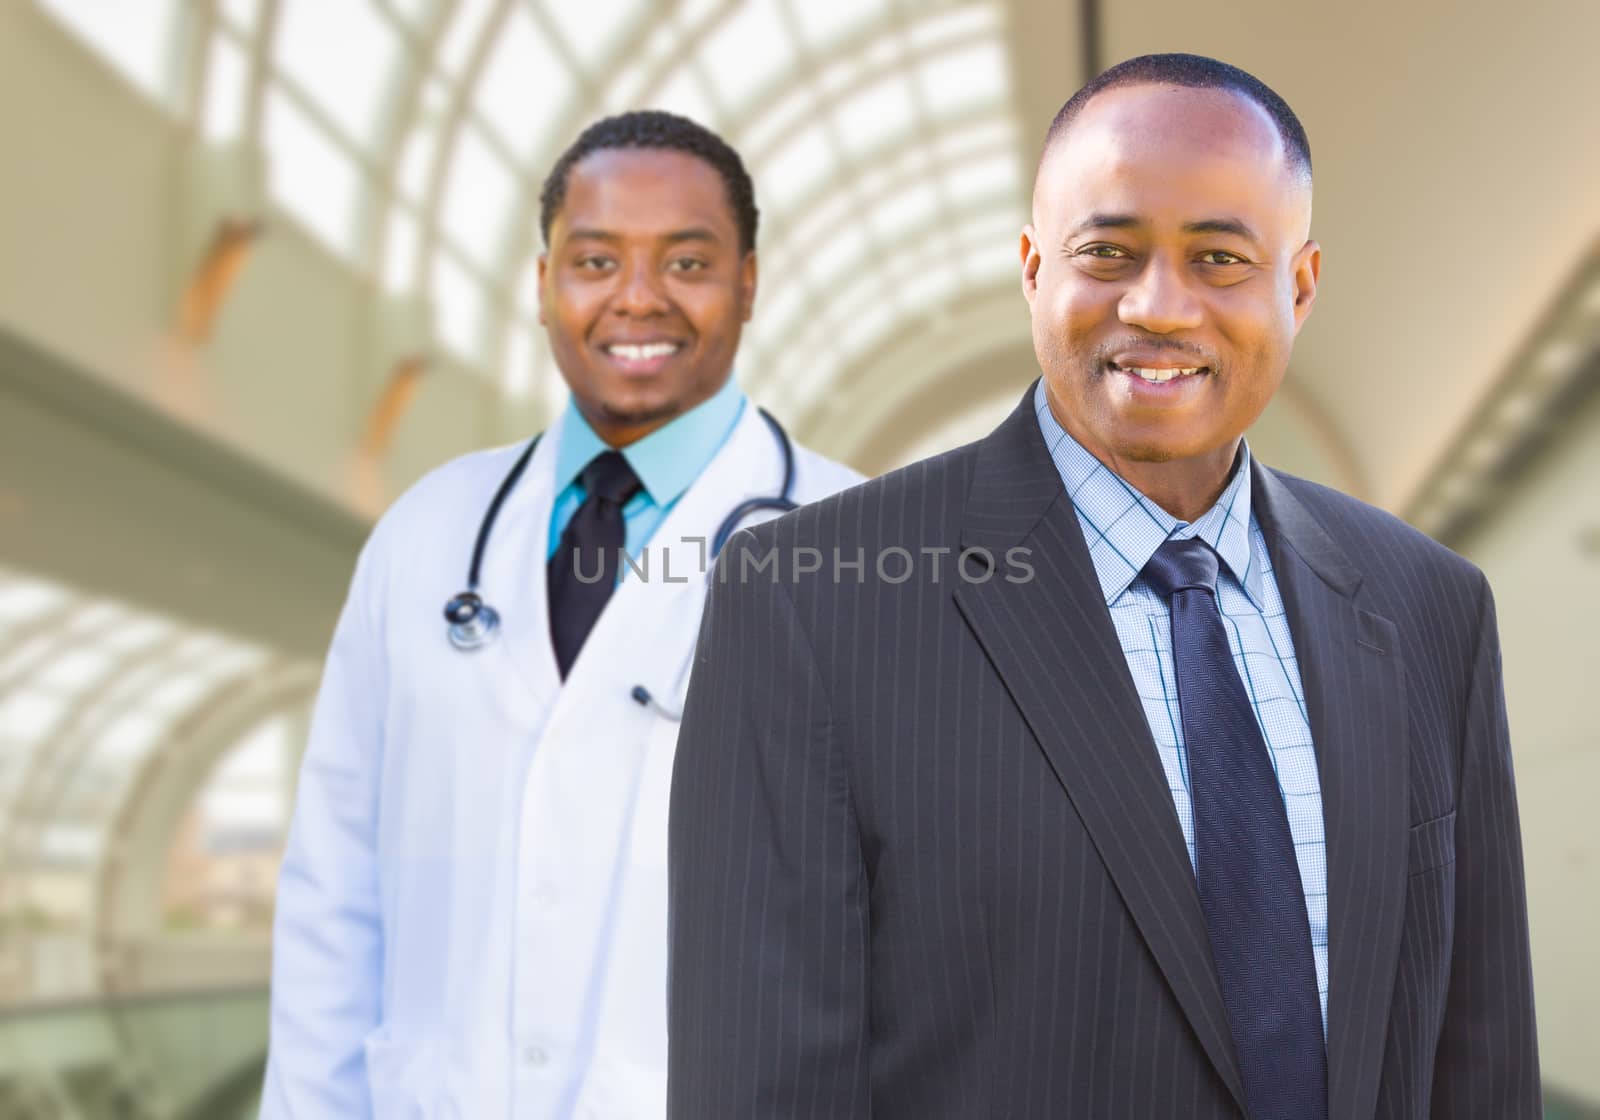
(473,623)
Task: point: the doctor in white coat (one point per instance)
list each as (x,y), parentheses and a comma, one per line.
(471,916)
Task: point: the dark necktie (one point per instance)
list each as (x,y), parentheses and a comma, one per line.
(583,569)
(1250,889)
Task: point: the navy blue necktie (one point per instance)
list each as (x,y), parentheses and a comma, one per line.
(1250,890)
(583,569)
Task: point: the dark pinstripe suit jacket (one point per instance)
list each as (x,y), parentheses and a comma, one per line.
(924,863)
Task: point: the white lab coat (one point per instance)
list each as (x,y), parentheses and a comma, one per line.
(472,909)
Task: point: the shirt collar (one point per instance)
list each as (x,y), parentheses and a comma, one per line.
(1124,528)
(667,460)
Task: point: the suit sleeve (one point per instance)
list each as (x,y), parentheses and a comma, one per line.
(327,938)
(1487,1062)
(767,982)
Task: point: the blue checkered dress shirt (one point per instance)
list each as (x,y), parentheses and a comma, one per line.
(1123,529)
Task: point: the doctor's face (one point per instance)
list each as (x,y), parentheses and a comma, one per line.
(1169,235)
(644,289)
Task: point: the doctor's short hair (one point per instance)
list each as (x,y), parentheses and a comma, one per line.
(654,129)
(1192,71)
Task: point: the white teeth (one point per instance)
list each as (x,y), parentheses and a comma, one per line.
(1164,374)
(642,353)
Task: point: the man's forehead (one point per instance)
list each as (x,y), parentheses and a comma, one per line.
(1149,115)
(645,192)
(1149,142)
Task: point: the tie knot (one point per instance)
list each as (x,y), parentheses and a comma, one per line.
(1182,565)
(609,478)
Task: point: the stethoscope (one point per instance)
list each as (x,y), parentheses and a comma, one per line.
(475,624)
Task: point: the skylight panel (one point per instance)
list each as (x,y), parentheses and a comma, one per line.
(134,36)
(684,96)
(904,211)
(795,170)
(963,23)
(836,259)
(978,180)
(74,670)
(748,49)
(872,116)
(416,163)
(929,284)
(308,175)
(951,80)
(516,375)
(552,391)
(525,85)
(242,15)
(343,57)
(825,23)
(227,90)
(592,29)
(462,34)
(401,245)
(477,200)
(28,715)
(22,600)
(779,301)
(458,302)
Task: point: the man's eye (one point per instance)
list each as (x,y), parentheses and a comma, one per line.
(594,264)
(1221,256)
(688,264)
(1103,252)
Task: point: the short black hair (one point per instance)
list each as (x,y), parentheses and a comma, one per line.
(1192,71)
(662,131)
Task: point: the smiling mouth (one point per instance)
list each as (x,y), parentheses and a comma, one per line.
(1159,375)
(642,351)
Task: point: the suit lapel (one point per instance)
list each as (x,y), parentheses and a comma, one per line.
(1354,680)
(1053,643)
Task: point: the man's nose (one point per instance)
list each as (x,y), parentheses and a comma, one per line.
(1160,300)
(641,293)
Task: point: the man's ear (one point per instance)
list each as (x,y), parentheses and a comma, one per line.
(1029,247)
(1307,269)
(544,263)
(747,286)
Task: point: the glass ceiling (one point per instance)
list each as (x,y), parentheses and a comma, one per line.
(89,689)
(410,138)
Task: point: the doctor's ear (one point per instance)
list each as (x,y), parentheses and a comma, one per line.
(747,286)
(544,263)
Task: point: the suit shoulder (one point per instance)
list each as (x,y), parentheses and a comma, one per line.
(1376,538)
(913,502)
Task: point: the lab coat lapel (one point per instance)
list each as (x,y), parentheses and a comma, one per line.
(513,578)
(647,631)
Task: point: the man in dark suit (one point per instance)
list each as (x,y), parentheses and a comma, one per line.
(1095,769)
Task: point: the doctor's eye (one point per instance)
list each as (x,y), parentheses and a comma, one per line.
(593,262)
(687,264)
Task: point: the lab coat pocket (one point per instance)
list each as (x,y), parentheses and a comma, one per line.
(648,844)
(406,1078)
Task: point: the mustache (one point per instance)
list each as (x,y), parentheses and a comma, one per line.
(1164,349)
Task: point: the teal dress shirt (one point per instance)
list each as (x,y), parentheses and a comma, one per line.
(667,461)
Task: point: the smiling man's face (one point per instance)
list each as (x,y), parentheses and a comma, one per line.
(645,288)
(1168,270)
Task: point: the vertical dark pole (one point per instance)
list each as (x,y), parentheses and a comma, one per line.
(1089,37)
